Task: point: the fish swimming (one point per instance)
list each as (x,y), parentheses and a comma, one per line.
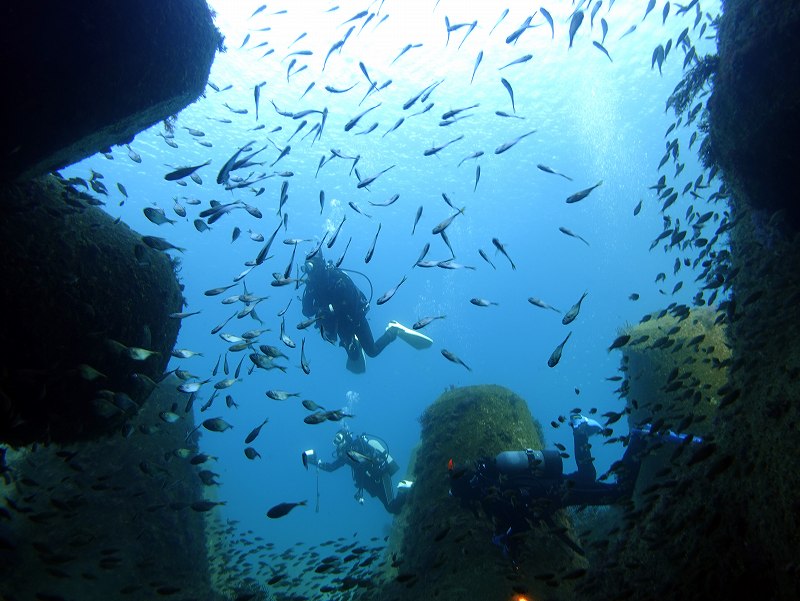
(522,59)
(555,357)
(540,303)
(182,172)
(477,64)
(547,169)
(574,24)
(499,246)
(418,325)
(390,293)
(281,509)
(578,196)
(506,145)
(254,433)
(549,20)
(368,180)
(570,316)
(416,220)
(510,92)
(569,232)
(435,149)
(444,224)
(451,357)
(371,250)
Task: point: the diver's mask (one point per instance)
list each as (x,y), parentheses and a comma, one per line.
(307,267)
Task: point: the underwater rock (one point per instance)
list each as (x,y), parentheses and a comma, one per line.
(755,122)
(85,76)
(108,519)
(441,550)
(80,291)
(672,376)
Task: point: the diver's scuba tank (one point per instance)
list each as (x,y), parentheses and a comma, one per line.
(544,463)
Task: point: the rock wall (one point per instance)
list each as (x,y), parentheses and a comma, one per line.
(80,291)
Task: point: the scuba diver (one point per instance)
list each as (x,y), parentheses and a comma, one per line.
(519,489)
(340,308)
(372,466)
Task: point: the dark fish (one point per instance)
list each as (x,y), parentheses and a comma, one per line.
(451,357)
(637,208)
(522,59)
(502,16)
(371,250)
(435,149)
(252,436)
(354,206)
(602,49)
(541,304)
(477,177)
(604,27)
(619,342)
(395,126)
(341,258)
(390,293)
(549,20)
(474,155)
(650,6)
(547,169)
(574,24)
(335,47)
(416,220)
(385,203)
(594,12)
(513,37)
(184,171)
(477,63)
(281,509)
(555,357)
(157,243)
(574,310)
(481,302)
(321,201)
(582,194)
(486,258)
(630,31)
(505,146)
(418,325)
(336,233)
(354,121)
(251,453)
(569,232)
(499,246)
(444,224)
(303,361)
(368,180)
(508,87)
(404,50)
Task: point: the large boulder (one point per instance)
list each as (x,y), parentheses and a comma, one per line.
(81,291)
(441,550)
(755,106)
(83,76)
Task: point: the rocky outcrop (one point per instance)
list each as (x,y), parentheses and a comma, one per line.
(81,77)
(80,290)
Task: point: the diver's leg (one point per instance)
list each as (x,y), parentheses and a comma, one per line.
(583,457)
(371,346)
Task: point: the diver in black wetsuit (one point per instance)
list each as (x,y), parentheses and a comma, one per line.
(516,488)
(372,466)
(341,309)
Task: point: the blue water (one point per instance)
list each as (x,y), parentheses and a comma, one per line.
(594,120)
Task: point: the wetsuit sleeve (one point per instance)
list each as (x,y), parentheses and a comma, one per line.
(332,466)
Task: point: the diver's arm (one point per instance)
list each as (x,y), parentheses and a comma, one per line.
(332,466)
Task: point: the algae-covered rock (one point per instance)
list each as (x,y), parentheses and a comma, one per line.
(755,123)
(675,366)
(108,519)
(79,290)
(441,550)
